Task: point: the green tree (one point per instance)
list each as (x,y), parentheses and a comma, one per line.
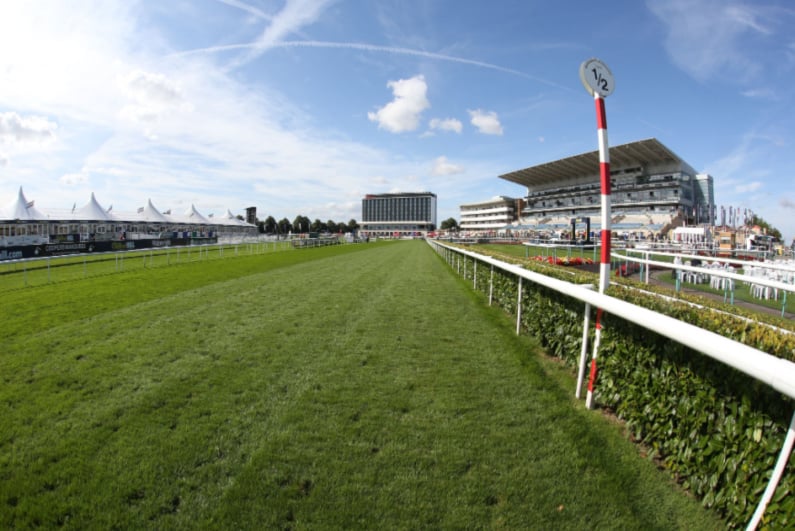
(302,224)
(284,227)
(449,224)
(269,225)
(318,226)
(333,227)
(353,226)
(771,230)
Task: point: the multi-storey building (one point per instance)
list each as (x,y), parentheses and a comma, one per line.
(651,188)
(398,214)
(705,199)
(491,215)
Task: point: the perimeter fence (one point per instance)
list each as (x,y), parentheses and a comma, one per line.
(713,410)
(16,274)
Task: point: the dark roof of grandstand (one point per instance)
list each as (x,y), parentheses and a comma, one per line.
(638,153)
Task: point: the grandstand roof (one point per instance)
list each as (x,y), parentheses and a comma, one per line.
(499,199)
(640,153)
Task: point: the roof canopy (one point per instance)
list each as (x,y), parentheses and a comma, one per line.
(92,211)
(151,214)
(230,219)
(193,216)
(640,153)
(22,209)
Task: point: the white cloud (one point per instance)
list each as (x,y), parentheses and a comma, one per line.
(73,179)
(23,135)
(65,57)
(446,124)
(747,17)
(760,93)
(153,96)
(705,38)
(752,186)
(403,112)
(152,89)
(441,166)
(486,122)
(25,129)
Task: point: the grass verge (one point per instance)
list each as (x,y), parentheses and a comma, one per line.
(343,387)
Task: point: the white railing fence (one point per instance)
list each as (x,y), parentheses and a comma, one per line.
(767,280)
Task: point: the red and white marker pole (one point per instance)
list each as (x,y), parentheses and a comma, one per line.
(604,179)
(598,81)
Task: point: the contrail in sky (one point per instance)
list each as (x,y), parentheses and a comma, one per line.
(247,8)
(374,48)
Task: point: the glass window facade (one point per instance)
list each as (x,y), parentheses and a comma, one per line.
(399,214)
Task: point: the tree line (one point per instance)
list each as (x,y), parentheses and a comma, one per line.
(302,224)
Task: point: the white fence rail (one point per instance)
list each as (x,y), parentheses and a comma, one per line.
(775,372)
(126,259)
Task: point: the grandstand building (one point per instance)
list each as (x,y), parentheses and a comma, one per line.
(652,191)
(491,215)
(398,214)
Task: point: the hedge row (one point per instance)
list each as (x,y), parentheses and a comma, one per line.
(715,429)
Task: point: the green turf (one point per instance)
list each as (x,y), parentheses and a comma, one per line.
(344,387)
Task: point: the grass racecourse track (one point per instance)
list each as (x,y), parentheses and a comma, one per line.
(356,386)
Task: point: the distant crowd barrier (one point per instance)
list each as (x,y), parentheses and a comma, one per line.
(768,280)
(302,243)
(44,270)
(775,372)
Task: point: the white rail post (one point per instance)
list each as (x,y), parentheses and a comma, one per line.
(491,285)
(584,350)
(519,308)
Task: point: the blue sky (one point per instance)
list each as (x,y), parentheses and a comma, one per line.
(304,106)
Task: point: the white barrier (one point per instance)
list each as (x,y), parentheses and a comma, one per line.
(762,282)
(775,372)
